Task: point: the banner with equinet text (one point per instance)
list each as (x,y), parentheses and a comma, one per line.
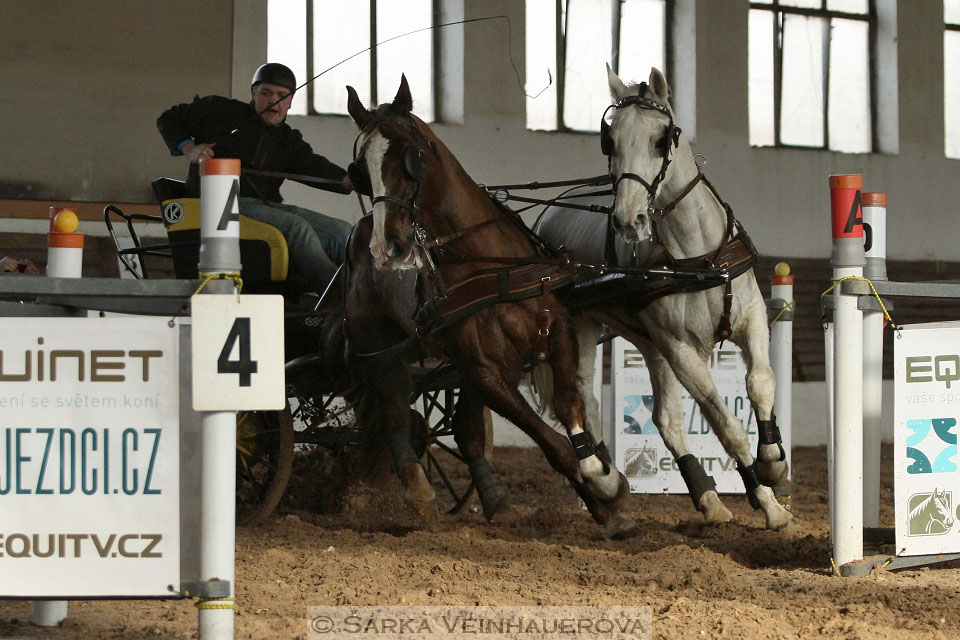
(89,492)
(926,410)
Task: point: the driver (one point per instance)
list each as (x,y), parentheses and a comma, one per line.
(256,133)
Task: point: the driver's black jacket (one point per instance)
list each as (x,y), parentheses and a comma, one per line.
(238,132)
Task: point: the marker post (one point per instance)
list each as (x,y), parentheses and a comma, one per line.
(781,360)
(64,260)
(219,255)
(875,251)
(846,500)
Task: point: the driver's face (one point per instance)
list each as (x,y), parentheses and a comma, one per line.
(264,95)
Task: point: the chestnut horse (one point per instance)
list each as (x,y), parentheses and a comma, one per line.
(441,268)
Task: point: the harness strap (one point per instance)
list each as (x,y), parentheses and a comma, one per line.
(664,211)
(543,323)
(724,329)
(450,237)
(491,286)
(399,347)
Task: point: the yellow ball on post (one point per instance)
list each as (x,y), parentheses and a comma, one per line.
(66,221)
(782,269)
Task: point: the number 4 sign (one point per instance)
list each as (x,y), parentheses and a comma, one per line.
(237,352)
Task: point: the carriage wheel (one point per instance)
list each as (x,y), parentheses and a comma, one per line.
(442,402)
(264,462)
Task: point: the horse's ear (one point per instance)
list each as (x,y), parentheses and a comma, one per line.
(359,113)
(658,85)
(617,89)
(403,101)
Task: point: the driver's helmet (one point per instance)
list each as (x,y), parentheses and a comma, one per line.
(275,73)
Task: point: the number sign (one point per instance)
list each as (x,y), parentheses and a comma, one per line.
(237,352)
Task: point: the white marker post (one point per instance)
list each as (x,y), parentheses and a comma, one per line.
(781,360)
(846,500)
(875,251)
(219,254)
(64,260)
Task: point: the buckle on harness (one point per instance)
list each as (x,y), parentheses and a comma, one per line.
(420,234)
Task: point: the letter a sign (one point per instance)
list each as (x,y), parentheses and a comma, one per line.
(237,348)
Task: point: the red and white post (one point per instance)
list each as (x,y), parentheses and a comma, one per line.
(875,252)
(847,259)
(781,360)
(219,254)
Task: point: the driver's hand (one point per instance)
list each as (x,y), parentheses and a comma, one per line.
(197,152)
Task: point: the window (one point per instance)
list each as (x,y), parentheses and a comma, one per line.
(810,70)
(363,43)
(567,44)
(951,77)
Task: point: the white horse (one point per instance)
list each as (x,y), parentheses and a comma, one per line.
(667,213)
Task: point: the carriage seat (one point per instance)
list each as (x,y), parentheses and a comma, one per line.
(263,249)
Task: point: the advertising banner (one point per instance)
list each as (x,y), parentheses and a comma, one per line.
(926,408)
(640,452)
(89,483)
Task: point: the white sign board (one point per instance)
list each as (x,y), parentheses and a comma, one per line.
(89,457)
(639,451)
(926,409)
(237,353)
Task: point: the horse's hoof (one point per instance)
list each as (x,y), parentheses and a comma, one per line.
(772,472)
(428,513)
(494,503)
(778,519)
(620,527)
(416,489)
(505,513)
(713,510)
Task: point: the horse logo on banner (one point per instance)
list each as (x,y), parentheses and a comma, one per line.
(931,513)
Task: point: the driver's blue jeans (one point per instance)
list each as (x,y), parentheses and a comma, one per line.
(316,242)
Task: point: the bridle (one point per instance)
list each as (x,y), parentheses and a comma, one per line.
(413,166)
(669,141)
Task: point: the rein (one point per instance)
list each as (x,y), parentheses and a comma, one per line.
(501,193)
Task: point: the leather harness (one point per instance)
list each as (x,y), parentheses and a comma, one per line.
(631,288)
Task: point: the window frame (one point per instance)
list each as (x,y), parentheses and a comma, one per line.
(870,17)
(435,70)
(561,45)
(947,26)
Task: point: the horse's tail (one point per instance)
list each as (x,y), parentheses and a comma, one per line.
(542,389)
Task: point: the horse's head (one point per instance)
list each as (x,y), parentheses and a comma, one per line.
(390,163)
(639,142)
(941,507)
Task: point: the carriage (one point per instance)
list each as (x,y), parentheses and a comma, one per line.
(501,301)
(316,416)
